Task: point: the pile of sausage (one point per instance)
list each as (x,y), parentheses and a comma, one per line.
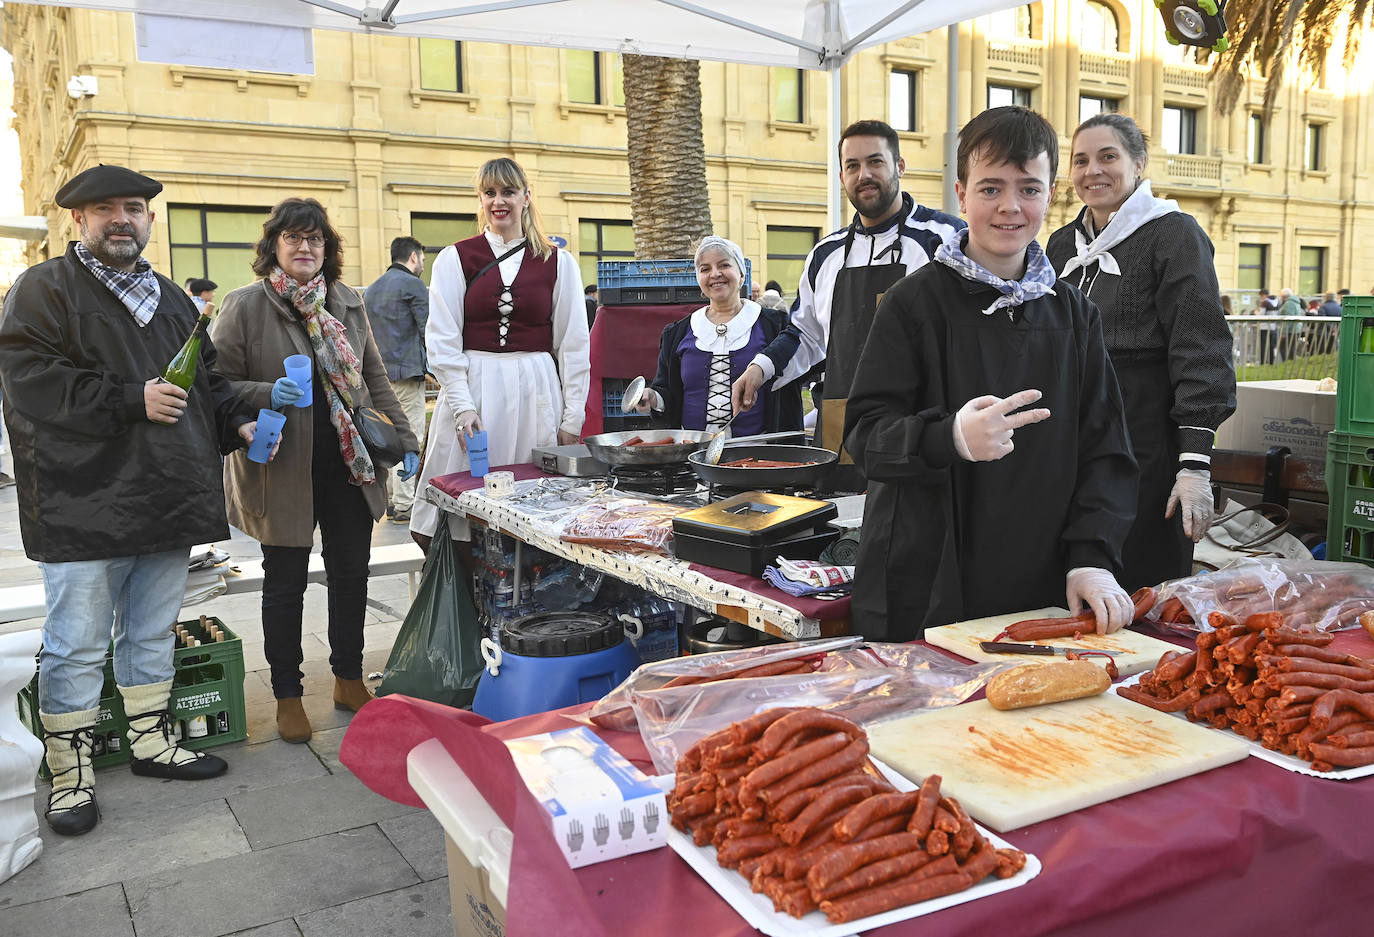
(790,801)
(1240,592)
(640,441)
(1279,686)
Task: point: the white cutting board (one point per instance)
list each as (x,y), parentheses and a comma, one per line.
(1013,768)
(1132,651)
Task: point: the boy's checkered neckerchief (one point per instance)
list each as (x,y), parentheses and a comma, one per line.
(1038,279)
(138,291)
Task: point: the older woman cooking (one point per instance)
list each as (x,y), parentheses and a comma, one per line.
(701,355)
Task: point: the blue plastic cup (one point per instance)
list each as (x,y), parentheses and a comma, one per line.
(298,368)
(270,423)
(477,453)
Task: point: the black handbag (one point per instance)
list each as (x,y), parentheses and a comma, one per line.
(379,436)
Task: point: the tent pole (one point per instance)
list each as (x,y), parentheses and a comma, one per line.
(834,203)
(951,198)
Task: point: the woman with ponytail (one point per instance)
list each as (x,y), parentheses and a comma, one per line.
(507,340)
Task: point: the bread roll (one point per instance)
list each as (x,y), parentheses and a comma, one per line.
(1035,684)
(1367,622)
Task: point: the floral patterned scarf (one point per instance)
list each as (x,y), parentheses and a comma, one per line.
(332,353)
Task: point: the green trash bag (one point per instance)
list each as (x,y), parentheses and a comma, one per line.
(437,656)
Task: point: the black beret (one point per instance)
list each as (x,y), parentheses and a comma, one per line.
(102,182)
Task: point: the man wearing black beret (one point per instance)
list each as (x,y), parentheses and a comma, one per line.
(118,475)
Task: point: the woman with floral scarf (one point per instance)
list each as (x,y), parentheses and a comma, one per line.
(322,474)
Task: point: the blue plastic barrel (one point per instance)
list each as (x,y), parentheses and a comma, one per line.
(550,660)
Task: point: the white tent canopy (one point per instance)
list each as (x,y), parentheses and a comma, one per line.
(815,34)
(819,34)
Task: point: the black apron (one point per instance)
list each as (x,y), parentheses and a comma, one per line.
(1156,549)
(853,301)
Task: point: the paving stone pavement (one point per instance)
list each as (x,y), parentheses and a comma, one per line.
(286,844)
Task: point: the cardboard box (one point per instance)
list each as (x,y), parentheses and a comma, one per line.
(477,912)
(599,805)
(1290,413)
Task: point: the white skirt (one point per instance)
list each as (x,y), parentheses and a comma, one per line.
(520,401)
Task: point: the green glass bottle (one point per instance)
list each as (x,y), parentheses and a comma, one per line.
(181,370)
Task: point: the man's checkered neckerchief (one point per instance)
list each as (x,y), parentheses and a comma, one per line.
(1037,281)
(138,291)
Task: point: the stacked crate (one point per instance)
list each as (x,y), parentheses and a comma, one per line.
(1350,449)
(207,707)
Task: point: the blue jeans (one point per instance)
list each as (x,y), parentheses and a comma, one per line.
(135,598)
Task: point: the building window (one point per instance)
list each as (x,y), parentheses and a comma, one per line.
(1257,143)
(1091,107)
(1315,147)
(602,240)
(217,243)
(1311,270)
(787,250)
(1098,31)
(1010,24)
(1252,269)
(437,231)
(1179,130)
(788,95)
(1002,95)
(441,65)
(595,78)
(901,86)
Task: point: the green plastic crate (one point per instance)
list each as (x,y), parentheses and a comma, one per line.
(207,684)
(1350,491)
(1355,367)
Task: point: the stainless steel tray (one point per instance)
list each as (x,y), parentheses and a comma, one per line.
(573,461)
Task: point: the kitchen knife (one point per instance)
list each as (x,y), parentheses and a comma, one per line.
(1007,647)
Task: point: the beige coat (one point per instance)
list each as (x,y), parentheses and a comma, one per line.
(254,332)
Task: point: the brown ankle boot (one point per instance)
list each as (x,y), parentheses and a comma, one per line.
(292,723)
(350,694)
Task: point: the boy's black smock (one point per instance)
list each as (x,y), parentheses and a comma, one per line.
(96,479)
(945,539)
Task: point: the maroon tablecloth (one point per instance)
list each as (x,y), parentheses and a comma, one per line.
(459,482)
(1247,849)
(624,344)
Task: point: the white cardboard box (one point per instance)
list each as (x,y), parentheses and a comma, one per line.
(1290,413)
(601,806)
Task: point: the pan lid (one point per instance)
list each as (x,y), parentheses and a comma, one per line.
(755,517)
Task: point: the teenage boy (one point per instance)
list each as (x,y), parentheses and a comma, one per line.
(961,521)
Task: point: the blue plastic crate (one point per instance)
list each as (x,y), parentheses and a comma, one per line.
(652,282)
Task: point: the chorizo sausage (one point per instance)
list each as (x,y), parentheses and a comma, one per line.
(1342,757)
(885,897)
(732,851)
(875,873)
(1176,704)
(1009,862)
(794,803)
(747,730)
(778,768)
(1176,668)
(1327,704)
(828,802)
(926,803)
(981,864)
(1289,636)
(846,759)
(874,808)
(771,738)
(842,860)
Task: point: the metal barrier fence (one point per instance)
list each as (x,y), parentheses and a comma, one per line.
(1268,348)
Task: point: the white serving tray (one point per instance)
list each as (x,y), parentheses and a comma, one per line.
(1287,762)
(757,910)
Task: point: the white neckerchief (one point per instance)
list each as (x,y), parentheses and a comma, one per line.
(1139,209)
(737,330)
(511,265)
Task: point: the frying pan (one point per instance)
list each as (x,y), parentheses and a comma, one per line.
(740,477)
(609,449)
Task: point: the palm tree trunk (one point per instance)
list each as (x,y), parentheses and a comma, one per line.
(668,197)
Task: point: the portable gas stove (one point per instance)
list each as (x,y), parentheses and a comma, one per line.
(665,479)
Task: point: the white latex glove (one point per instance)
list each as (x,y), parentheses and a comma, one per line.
(1193,490)
(983,427)
(1098,589)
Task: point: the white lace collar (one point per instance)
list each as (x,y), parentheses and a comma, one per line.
(709,336)
(498,245)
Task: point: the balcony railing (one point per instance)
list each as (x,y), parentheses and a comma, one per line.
(1180,77)
(1107,64)
(1198,170)
(1016,54)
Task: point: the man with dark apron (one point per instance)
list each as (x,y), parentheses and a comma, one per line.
(843,281)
